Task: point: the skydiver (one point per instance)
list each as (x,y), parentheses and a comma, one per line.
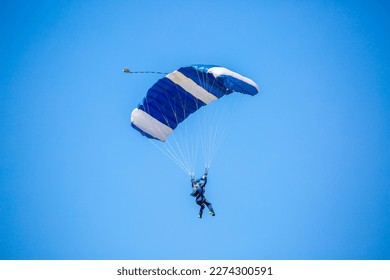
(198,190)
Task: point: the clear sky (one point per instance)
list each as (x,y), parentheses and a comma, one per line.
(303,174)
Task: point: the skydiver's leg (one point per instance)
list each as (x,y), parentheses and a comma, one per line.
(199,201)
(201,210)
(208,204)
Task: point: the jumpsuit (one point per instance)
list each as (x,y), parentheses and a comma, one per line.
(198,192)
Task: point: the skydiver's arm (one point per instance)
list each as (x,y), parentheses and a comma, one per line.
(205,180)
(206,171)
(193,182)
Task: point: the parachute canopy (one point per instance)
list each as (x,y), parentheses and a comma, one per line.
(184,91)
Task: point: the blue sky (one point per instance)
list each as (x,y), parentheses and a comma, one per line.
(303,173)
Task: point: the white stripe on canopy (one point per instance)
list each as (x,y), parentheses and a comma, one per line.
(150,125)
(191,87)
(219,71)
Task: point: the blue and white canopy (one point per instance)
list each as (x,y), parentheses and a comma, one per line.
(179,94)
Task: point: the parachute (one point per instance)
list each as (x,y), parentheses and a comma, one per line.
(172,99)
